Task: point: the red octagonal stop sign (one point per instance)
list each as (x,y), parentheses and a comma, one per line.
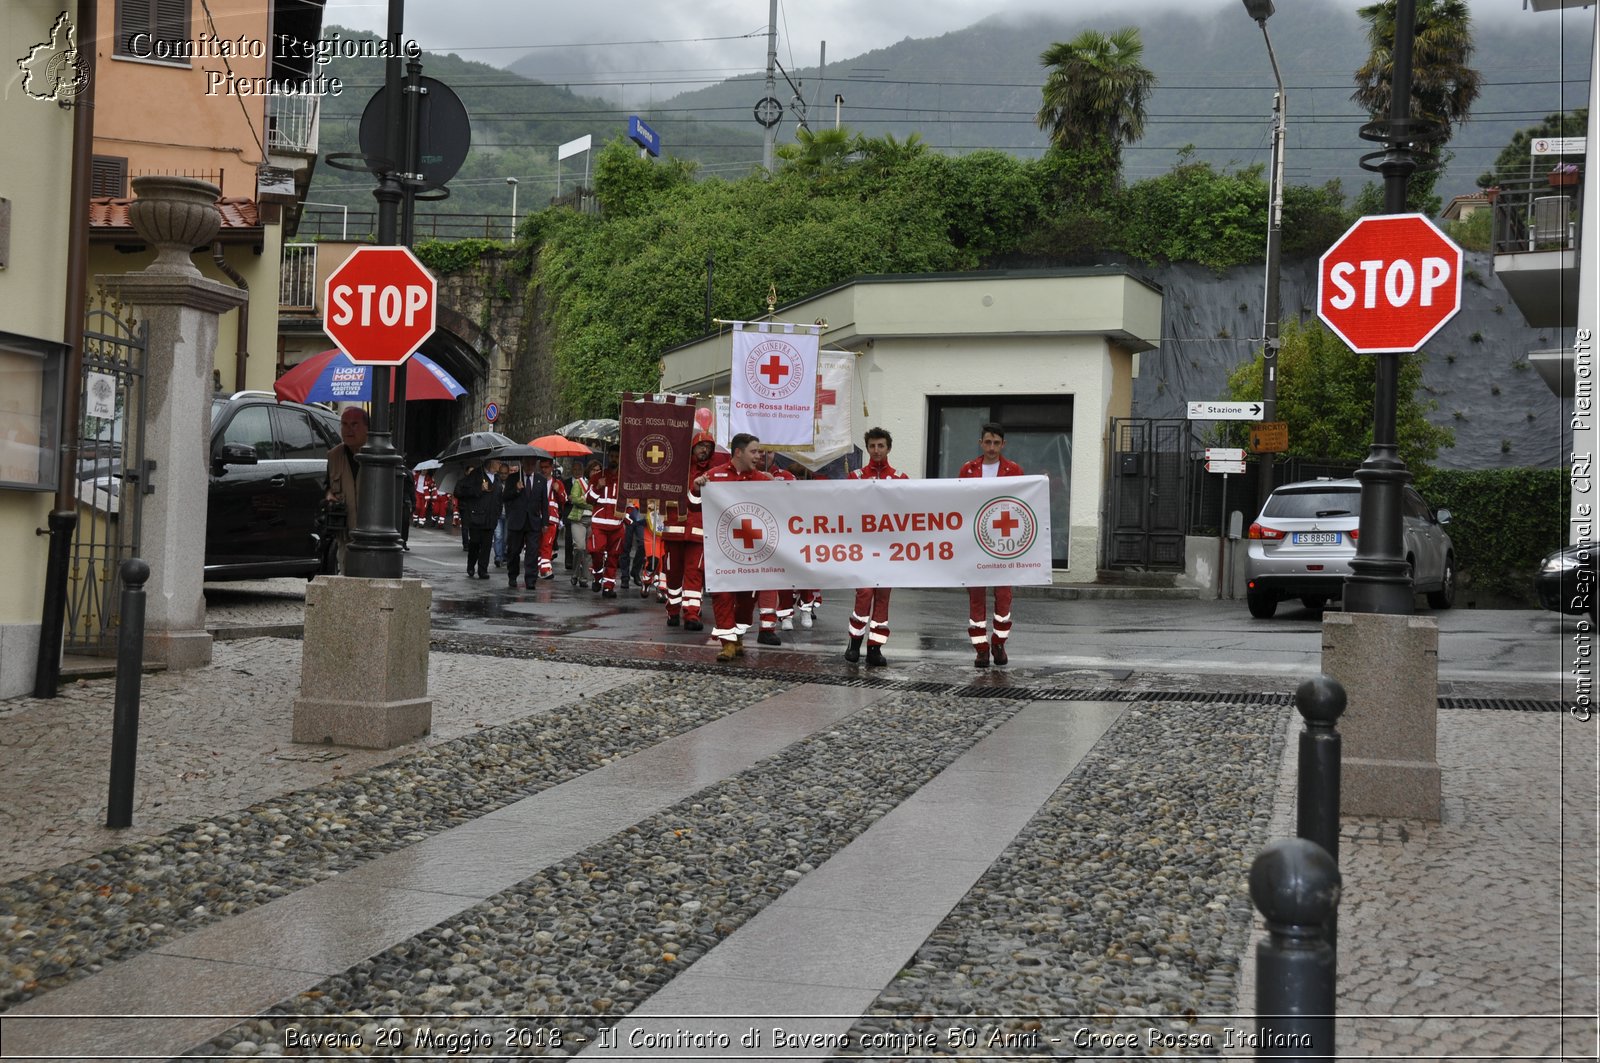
(1389,283)
(379,305)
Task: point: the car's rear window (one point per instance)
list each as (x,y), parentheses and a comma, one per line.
(1330,503)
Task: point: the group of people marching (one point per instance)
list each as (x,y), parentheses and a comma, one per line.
(662,549)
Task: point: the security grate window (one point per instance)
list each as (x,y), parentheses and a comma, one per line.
(154,29)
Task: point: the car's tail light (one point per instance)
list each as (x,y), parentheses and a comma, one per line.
(1261,531)
(1355,533)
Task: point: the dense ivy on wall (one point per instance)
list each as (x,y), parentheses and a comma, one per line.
(630,283)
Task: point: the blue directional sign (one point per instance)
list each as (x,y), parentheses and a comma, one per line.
(643,135)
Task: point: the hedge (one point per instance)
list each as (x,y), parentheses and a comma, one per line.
(1503,522)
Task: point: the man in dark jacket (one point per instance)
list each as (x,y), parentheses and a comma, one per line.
(479,497)
(523,496)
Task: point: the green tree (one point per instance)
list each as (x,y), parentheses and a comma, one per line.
(1325,394)
(1516,160)
(1097,87)
(820,154)
(1443,85)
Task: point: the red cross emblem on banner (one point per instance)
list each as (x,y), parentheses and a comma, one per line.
(1005,524)
(774,370)
(826,396)
(748,534)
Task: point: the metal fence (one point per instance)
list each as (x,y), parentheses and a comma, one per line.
(297,280)
(361,226)
(111,476)
(292,123)
(1537,215)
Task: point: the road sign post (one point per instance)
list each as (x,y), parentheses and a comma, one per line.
(1225,411)
(1386,287)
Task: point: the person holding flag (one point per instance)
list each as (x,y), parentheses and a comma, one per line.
(870,620)
(734,609)
(992,463)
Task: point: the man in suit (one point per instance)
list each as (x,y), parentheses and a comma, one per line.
(478,495)
(523,497)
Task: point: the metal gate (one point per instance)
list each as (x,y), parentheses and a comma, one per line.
(111,477)
(1147,500)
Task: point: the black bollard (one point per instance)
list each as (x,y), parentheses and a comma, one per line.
(1295,886)
(125,719)
(1321,701)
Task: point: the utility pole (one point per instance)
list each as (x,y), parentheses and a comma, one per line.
(769,136)
(1261,10)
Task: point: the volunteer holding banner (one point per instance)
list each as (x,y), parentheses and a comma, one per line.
(993,463)
(734,609)
(871,616)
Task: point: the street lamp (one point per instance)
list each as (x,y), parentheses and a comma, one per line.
(512,181)
(1261,10)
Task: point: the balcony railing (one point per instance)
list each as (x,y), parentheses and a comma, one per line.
(297,281)
(292,123)
(362,225)
(1534,215)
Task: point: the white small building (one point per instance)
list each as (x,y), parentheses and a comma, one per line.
(1049,354)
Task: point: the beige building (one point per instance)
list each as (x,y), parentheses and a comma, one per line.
(1050,354)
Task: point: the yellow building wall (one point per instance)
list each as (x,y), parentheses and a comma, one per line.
(32,303)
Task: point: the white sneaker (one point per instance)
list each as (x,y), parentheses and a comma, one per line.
(786,624)
(805,619)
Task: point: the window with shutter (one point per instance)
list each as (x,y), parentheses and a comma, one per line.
(154,29)
(108,176)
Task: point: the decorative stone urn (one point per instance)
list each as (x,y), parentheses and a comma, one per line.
(177,215)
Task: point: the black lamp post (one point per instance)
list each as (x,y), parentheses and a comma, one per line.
(1380,580)
(1261,10)
(375,550)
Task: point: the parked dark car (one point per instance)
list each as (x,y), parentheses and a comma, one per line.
(269,460)
(1566,580)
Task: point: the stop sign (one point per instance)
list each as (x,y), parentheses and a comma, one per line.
(1389,283)
(379,305)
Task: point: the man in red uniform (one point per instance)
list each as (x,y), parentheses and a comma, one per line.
(774,607)
(605,529)
(684,539)
(555,509)
(733,608)
(993,463)
(871,616)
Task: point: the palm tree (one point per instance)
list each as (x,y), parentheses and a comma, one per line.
(1096,87)
(1443,86)
(818,154)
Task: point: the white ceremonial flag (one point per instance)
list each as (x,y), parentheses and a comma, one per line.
(722,433)
(773,382)
(836,399)
(777,535)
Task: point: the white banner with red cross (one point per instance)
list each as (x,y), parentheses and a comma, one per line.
(776,535)
(773,381)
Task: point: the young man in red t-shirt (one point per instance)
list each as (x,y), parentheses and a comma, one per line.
(871,617)
(734,608)
(993,463)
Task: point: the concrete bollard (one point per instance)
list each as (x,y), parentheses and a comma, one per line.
(125,714)
(1295,886)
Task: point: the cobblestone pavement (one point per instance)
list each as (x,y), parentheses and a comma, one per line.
(1474,937)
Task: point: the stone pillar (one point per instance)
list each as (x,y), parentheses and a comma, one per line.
(1389,666)
(364,664)
(177,215)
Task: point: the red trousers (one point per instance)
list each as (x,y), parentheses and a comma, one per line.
(731,609)
(977,615)
(605,550)
(686,577)
(871,616)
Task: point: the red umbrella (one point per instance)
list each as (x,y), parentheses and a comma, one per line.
(332,377)
(560,446)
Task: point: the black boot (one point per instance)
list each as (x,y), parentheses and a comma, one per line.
(875,656)
(852,652)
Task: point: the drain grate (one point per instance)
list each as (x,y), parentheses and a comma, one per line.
(505,646)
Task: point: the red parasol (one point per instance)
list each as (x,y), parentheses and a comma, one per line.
(560,446)
(332,377)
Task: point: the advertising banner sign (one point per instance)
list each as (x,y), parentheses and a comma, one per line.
(775,535)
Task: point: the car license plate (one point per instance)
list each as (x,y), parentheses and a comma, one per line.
(1316,538)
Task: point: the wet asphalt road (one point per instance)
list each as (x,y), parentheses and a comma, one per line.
(1481,652)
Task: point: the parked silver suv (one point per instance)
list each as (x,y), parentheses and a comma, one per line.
(1302,544)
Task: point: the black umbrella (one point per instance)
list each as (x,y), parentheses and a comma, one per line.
(474,445)
(519,452)
(596,429)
